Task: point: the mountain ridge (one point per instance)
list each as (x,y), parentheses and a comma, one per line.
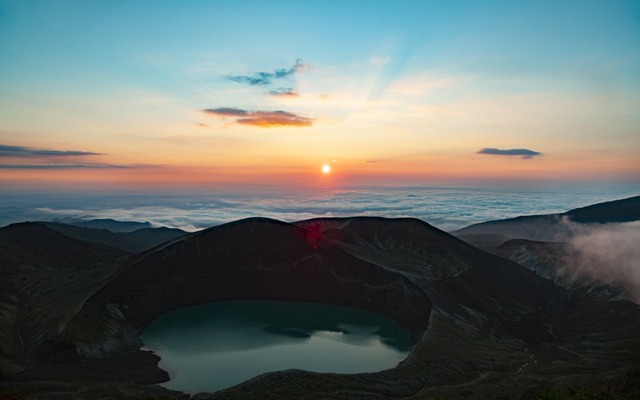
(482,324)
(553,227)
(131,241)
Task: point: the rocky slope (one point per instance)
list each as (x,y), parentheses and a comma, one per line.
(44,279)
(484,326)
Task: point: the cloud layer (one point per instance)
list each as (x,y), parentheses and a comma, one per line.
(446,208)
(265,78)
(31,158)
(66,166)
(20,151)
(526,154)
(21,157)
(263,119)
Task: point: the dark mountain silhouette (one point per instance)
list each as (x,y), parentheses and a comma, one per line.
(552,227)
(147,238)
(36,244)
(484,326)
(111,225)
(135,241)
(625,210)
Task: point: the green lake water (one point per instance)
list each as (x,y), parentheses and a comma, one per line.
(213,346)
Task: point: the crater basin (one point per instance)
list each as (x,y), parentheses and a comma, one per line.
(213,346)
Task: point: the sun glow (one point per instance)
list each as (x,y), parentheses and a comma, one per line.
(326,168)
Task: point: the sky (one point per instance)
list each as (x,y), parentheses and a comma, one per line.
(145,95)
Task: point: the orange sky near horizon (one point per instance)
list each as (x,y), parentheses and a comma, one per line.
(308,174)
(161,97)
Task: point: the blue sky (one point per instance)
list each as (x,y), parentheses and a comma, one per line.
(408,91)
(95,40)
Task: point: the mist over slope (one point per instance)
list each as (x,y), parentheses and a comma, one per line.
(483,325)
(594,248)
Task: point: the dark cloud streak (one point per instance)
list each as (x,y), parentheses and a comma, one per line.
(68,166)
(526,154)
(226,112)
(21,151)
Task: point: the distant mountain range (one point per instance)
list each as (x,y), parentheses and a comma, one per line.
(111,225)
(75,300)
(132,237)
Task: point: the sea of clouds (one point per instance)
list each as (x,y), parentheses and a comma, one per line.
(447,208)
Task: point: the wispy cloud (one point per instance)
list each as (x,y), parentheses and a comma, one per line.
(22,152)
(275,118)
(284,92)
(526,154)
(264,119)
(265,78)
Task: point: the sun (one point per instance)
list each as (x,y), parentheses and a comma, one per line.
(326,168)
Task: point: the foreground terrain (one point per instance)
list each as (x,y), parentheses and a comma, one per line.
(72,311)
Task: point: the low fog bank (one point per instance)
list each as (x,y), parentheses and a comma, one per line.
(447,208)
(607,254)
